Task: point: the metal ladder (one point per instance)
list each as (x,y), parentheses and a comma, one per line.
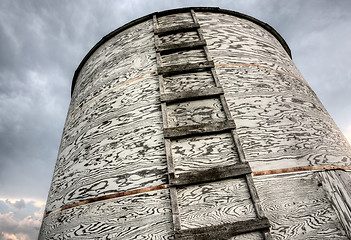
(241,169)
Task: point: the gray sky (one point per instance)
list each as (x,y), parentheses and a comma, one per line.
(42,42)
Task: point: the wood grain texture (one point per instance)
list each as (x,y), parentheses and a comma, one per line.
(223,231)
(130,217)
(128,55)
(195,112)
(191,95)
(184,27)
(198,129)
(188,82)
(297,207)
(179,38)
(232,39)
(203,152)
(171,47)
(214,203)
(175,19)
(211,174)
(280,121)
(337,184)
(115,143)
(113,139)
(249,236)
(184,68)
(119,151)
(184,57)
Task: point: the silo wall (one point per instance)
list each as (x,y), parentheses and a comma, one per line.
(111,179)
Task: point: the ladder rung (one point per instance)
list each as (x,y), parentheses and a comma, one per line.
(223,231)
(168,48)
(182,131)
(184,68)
(212,174)
(178,28)
(193,94)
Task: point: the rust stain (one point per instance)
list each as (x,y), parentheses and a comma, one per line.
(115,195)
(106,92)
(255,65)
(300,169)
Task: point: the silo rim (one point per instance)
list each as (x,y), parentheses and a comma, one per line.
(172,11)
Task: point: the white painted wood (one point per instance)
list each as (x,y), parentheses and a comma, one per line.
(203,152)
(113,139)
(122,218)
(175,19)
(249,236)
(214,203)
(297,207)
(180,37)
(337,184)
(184,57)
(195,112)
(188,81)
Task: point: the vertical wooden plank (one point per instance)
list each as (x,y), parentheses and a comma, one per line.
(154,21)
(199,32)
(238,146)
(161,84)
(155,25)
(297,207)
(170,162)
(164,115)
(337,184)
(175,208)
(215,77)
(254,195)
(159,60)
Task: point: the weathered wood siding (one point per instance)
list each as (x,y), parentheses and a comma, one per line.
(188,81)
(280,121)
(119,218)
(214,203)
(203,152)
(298,207)
(112,142)
(338,186)
(114,139)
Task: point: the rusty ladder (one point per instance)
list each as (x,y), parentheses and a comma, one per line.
(241,169)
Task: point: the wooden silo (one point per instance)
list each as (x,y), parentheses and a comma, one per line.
(195,123)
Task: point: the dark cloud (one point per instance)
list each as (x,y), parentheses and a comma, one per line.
(42,43)
(19,204)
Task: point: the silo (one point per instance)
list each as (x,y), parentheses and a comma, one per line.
(194,123)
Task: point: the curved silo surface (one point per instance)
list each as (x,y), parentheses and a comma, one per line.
(196,124)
